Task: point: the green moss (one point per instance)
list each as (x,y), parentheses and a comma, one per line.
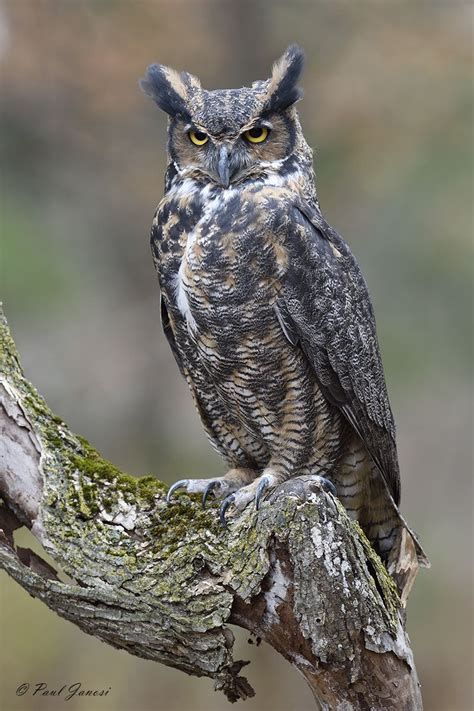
(149,487)
(83,506)
(182,520)
(93,466)
(385,582)
(9,361)
(89,496)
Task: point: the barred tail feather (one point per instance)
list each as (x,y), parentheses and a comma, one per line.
(405,559)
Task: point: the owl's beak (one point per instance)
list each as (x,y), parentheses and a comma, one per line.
(223,167)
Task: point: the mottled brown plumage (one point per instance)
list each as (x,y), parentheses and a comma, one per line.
(266,310)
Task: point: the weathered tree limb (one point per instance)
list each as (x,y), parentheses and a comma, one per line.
(164,581)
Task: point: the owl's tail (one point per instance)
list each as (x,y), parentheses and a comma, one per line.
(388,532)
(405,558)
(393,539)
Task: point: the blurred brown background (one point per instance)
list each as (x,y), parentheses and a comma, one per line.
(387,107)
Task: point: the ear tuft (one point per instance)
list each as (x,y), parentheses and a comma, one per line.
(169,89)
(282,90)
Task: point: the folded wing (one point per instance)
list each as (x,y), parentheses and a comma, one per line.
(325,308)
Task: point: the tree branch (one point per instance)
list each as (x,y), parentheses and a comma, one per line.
(164,581)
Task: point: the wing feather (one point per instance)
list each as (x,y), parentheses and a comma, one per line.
(325,305)
(168,331)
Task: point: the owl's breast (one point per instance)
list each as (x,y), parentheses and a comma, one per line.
(228,280)
(221,267)
(233,259)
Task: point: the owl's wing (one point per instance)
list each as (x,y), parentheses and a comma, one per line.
(168,331)
(325,307)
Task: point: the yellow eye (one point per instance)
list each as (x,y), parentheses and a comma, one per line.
(199,138)
(257,134)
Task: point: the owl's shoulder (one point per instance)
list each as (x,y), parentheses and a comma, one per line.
(175,218)
(183,197)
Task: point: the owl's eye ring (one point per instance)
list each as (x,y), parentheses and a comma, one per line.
(257,134)
(199,138)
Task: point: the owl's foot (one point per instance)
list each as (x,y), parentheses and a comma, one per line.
(255,491)
(242,497)
(219,486)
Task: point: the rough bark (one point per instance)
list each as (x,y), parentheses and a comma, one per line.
(163,582)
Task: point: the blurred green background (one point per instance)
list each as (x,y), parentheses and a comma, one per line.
(388,109)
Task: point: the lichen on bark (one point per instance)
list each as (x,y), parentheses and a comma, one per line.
(164,581)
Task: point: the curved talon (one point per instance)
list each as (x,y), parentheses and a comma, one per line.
(327,485)
(224,506)
(210,487)
(177,485)
(261,488)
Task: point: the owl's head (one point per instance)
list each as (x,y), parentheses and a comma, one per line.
(228,136)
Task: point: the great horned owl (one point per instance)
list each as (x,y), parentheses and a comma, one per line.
(266,310)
